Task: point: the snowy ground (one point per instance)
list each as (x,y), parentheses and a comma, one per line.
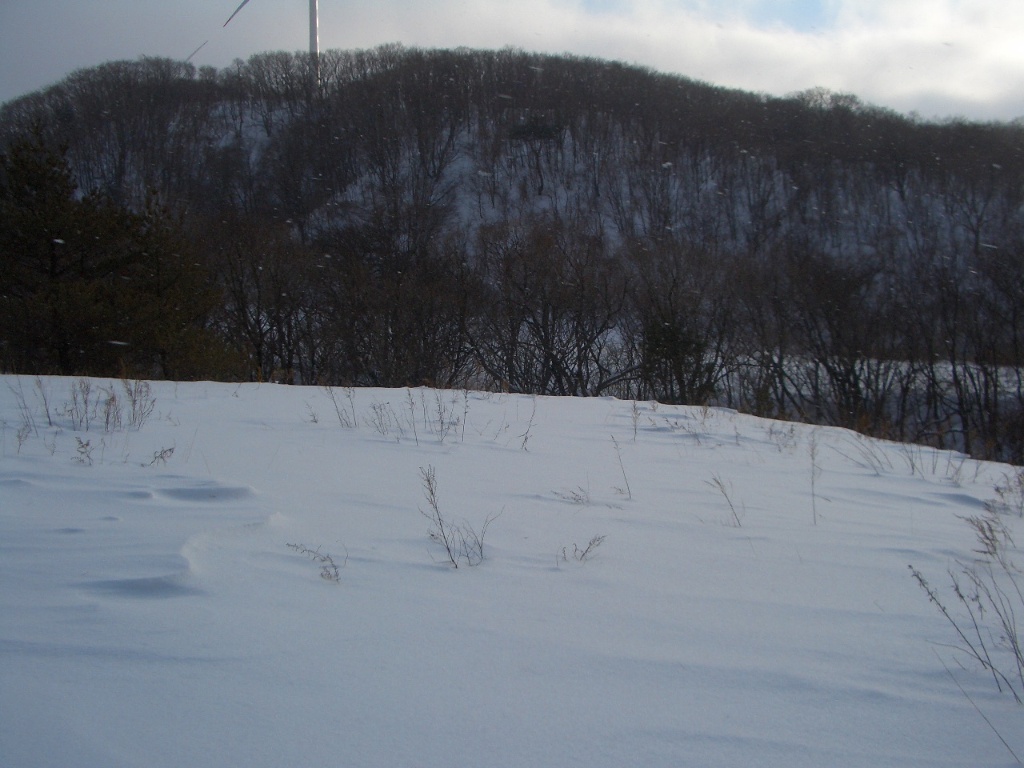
(749,605)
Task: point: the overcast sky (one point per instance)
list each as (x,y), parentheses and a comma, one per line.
(939,58)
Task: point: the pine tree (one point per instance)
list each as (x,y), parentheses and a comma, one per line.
(88,287)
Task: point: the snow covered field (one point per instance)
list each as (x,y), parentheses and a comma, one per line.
(750,603)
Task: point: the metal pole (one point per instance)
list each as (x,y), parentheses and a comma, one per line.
(314,36)
(314,39)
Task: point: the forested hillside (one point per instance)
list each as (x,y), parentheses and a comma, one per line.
(539,224)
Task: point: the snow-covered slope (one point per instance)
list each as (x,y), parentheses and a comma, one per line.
(749,604)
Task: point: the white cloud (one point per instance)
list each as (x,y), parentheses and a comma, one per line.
(962,52)
(939,57)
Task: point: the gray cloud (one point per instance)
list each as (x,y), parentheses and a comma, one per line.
(938,57)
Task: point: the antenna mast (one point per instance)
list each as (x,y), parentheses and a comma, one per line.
(314,38)
(314,34)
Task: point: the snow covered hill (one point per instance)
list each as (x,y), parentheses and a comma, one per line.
(255,575)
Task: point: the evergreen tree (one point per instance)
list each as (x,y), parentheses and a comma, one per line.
(88,287)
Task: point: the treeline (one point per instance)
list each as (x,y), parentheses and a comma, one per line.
(533,223)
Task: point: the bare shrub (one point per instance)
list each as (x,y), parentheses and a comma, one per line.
(461,542)
(525,436)
(990,594)
(812,450)
(582,554)
(720,485)
(141,402)
(783,437)
(412,415)
(161,456)
(314,417)
(44,398)
(80,407)
(955,467)
(871,456)
(23,434)
(577,495)
(628,492)
(329,568)
(27,416)
(84,452)
(112,410)
(1010,492)
(345,410)
(385,421)
(445,419)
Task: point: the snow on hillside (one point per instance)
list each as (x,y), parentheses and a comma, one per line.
(749,604)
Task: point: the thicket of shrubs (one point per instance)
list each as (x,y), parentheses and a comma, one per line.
(534,223)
